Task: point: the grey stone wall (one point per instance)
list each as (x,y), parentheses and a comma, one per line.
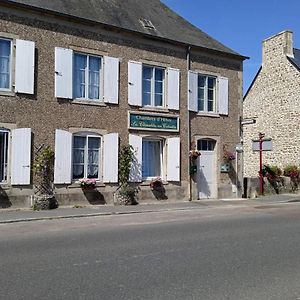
(274,101)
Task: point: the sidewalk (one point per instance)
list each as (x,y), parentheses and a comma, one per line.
(23,215)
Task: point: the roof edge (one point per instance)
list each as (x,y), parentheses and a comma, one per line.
(252,83)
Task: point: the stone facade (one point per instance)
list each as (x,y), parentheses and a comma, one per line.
(44,113)
(273,100)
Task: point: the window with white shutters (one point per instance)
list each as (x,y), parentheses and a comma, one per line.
(5,64)
(4,135)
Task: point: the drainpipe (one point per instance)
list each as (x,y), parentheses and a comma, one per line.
(188,67)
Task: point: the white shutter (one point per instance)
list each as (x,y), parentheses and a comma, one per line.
(173,159)
(135,83)
(63,157)
(63,73)
(21,156)
(136,169)
(24,82)
(223,96)
(193,91)
(110,157)
(111,80)
(173,88)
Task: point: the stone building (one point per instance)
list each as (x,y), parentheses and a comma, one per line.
(85,77)
(273,100)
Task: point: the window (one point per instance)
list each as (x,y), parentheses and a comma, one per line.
(86,156)
(3,155)
(86,77)
(5,64)
(152,158)
(153,86)
(206,145)
(206,93)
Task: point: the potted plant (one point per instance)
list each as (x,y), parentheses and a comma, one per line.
(293,172)
(194,154)
(87,183)
(156,183)
(228,156)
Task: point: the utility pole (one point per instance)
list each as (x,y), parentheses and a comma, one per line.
(261,187)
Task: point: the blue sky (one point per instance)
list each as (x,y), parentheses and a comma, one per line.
(242,25)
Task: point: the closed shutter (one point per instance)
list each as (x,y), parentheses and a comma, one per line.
(173,159)
(223,96)
(173,88)
(110,157)
(111,80)
(21,156)
(63,157)
(136,168)
(25,60)
(193,91)
(63,73)
(135,83)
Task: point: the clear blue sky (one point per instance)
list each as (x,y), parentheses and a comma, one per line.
(242,25)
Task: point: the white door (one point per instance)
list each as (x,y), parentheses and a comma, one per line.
(206,174)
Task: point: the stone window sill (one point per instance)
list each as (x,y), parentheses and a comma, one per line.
(210,115)
(155,109)
(77,185)
(88,102)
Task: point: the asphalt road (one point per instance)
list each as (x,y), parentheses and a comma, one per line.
(219,253)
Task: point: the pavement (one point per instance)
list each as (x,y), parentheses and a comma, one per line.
(13,215)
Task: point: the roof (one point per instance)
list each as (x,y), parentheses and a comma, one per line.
(296,59)
(128,14)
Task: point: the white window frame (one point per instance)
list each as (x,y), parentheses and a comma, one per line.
(86,98)
(152,93)
(162,151)
(5,181)
(215,103)
(10,65)
(88,135)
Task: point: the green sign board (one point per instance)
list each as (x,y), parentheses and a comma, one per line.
(153,122)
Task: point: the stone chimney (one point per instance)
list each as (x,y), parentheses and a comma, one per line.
(277,47)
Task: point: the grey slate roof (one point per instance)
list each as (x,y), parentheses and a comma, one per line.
(296,60)
(126,14)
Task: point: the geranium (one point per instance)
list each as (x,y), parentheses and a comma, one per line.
(194,154)
(228,156)
(87,183)
(156,183)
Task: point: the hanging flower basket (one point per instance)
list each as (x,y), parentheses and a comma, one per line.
(87,183)
(194,154)
(228,156)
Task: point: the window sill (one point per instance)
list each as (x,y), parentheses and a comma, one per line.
(77,185)
(7,93)
(147,183)
(211,115)
(155,109)
(4,186)
(88,102)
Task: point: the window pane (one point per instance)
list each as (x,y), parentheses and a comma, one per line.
(201,81)
(146,86)
(151,163)
(3,155)
(147,72)
(211,82)
(94,143)
(158,87)
(5,50)
(146,99)
(210,106)
(79,142)
(94,77)
(210,94)
(158,100)
(78,171)
(92,171)
(78,156)
(200,105)
(80,64)
(159,74)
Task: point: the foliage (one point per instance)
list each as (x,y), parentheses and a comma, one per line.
(126,156)
(156,183)
(128,194)
(43,163)
(276,170)
(228,156)
(193,154)
(87,183)
(293,172)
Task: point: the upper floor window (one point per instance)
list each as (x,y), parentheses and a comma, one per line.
(153,86)
(206,93)
(86,77)
(5,64)
(3,154)
(86,156)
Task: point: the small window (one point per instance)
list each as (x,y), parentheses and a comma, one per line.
(152,158)
(86,156)
(5,64)
(153,86)
(206,93)
(147,24)
(206,145)
(3,155)
(86,77)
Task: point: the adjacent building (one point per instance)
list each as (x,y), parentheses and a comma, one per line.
(85,77)
(273,100)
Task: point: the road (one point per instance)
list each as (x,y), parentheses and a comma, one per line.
(218,253)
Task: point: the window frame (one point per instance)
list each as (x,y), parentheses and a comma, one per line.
(5,180)
(206,89)
(9,89)
(101,80)
(88,135)
(152,86)
(161,155)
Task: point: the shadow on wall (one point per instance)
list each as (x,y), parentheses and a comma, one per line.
(94,197)
(4,199)
(203,186)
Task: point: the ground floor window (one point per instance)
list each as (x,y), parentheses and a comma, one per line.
(152,158)
(86,156)
(206,145)
(3,155)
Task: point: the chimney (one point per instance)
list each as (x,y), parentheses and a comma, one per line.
(277,47)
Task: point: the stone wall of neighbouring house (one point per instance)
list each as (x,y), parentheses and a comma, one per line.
(274,101)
